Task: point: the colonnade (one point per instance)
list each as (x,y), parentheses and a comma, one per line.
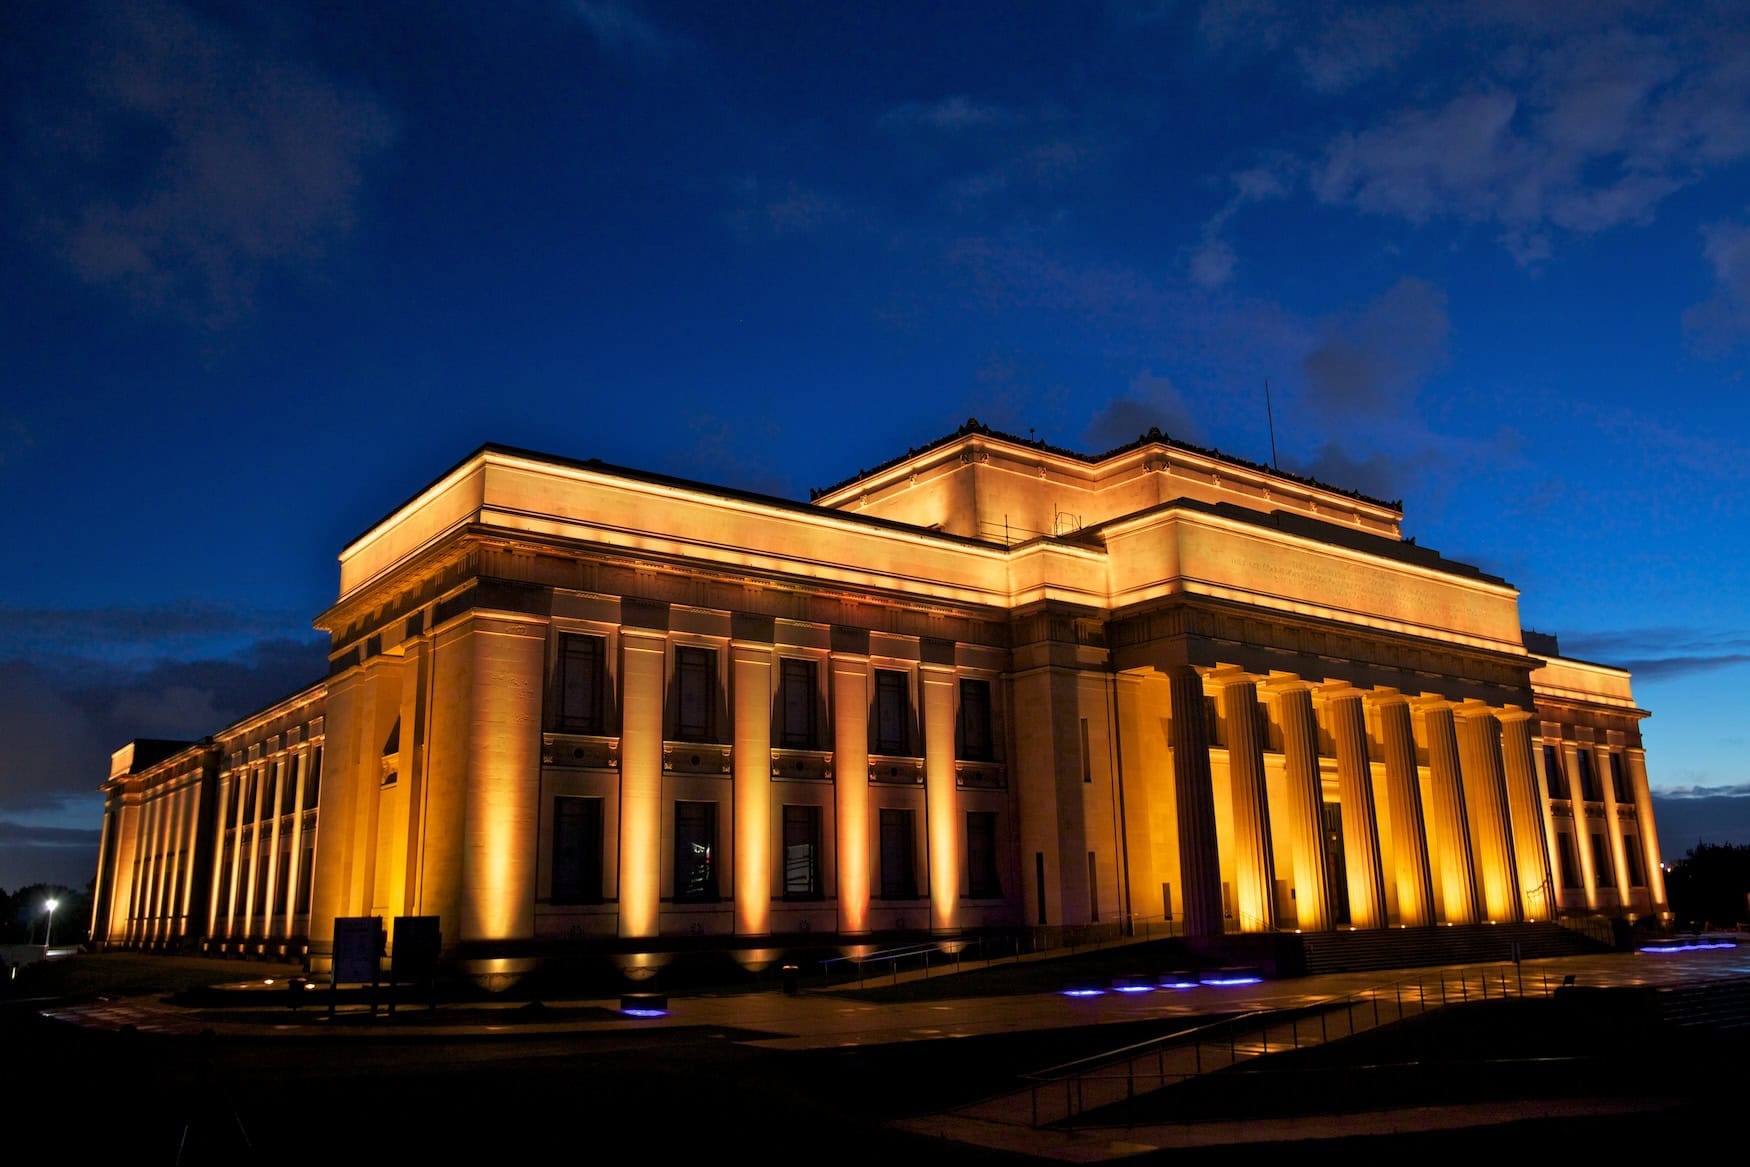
(152,839)
(1462,837)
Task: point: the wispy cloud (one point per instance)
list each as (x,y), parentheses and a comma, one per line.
(181,160)
(1151,403)
(1662,652)
(621,26)
(945,115)
(1722,321)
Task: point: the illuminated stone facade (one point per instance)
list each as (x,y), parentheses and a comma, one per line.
(991,684)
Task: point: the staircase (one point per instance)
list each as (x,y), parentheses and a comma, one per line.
(1385,948)
(1722,1006)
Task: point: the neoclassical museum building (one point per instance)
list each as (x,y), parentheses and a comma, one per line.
(991,684)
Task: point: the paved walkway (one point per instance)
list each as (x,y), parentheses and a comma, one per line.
(825,1020)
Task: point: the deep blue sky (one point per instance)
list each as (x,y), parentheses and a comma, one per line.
(267,272)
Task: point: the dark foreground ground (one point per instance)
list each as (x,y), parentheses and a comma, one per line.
(701,1095)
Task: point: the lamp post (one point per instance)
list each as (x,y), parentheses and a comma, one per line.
(49,927)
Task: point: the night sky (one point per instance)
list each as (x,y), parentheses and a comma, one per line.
(266,273)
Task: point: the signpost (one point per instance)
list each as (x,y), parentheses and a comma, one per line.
(358,943)
(418,941)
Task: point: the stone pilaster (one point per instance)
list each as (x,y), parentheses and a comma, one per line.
(641,687)
(1199,861)
(1415,885)
(942,798)
(1305,817)
(1355,797)
(1254,861)
(751,686)
(1636,761)
(850,766)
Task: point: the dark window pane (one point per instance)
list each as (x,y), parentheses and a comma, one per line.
(1570,860)
(975,739)
(981,855)
(1588,779)
(1552,768)
(582,669)
(892,712)
(306,869)
(1602,867)
(802,852)
(695,851)
(577,850)
(313,786)
(1637,868)
(695,671)
(898,878)
(1619,779)
(797,703)
(289,786)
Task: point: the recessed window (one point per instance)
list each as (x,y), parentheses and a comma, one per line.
(798,702)
(975,730)
(1619,780)
(1554,774)
(577,850)
(1588,778)
(1602,867)
(1570,861)
(981,855)
(892,712)
(802,852)
(695,851)
(582,672)
(898,869)
(695,677)
(1637,868)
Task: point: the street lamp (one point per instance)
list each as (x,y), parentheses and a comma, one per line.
(49,927)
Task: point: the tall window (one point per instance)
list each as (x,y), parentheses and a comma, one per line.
(1557,777)
(1601,865)
(975,735)
(801,852)
(1588,779)
(577,850)
(313,784)
(695,675)
(306,873)
(798,700)
(289,786)
(1570,860)
(1619,779)
(981,855)
(898,873)
(695,851)
(1637,868)
(582,670)
(892,713)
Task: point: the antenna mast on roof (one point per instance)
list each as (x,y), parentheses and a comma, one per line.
(1270,414)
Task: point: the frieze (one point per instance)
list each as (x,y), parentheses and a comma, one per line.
(801,765)
(981,776)
(896,771)
(585,751)
(697,758)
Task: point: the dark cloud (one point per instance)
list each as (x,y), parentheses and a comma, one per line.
(1152,403)
(30,854)
(1661,652)
(1369,364)
(1375,474)
(59,722)
(177,629)
(1687,818)
(178,160)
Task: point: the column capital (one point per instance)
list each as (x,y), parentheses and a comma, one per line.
(1277,683)
(1225,676)
(1431,702)
(1331,692)
(1385,696)
(935,667)
(1472,708)
(1514,714)
(753,651)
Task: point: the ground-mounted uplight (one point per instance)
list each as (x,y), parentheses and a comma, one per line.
(644,1004)
(1179,980)
(1084,991)
(1233,976)
(1698,946)
(1134,983)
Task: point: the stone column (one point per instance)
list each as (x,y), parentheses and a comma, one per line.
(1415,885)
(942,798)
(239,839)
(1485,796)
(1458,881)
(1144,892)
(276,793)
(850,767)
(1636,761)
(1537,890)
(1305,819)
(190,849)
(221,812)
(104,890)
(641,686)
(1254,861)
(1552,857)
(152,860)
(1199,861)
(1582,825)
(751,684)
(1355,796)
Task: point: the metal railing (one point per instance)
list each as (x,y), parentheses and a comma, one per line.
(1067,1092)
(948,956)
